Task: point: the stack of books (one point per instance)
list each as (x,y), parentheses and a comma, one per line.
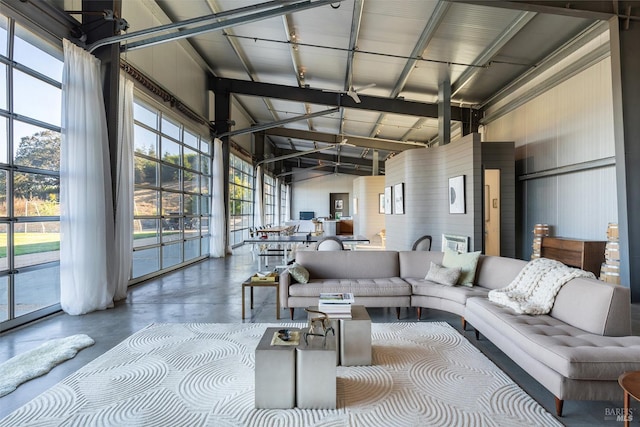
(336,305)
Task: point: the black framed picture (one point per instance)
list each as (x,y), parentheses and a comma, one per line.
(457,203)
(388,200)
(398,199)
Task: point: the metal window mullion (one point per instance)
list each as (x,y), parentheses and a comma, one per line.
(33,73)
(11,283)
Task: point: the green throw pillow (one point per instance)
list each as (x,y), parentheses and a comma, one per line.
(299,273)
(467,261)
(443,275)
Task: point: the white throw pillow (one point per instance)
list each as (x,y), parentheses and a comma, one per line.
(443,275)
(467,261)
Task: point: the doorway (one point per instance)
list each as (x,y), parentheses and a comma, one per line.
(492,212)
(338,205)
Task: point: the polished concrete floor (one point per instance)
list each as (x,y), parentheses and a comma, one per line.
(209,291)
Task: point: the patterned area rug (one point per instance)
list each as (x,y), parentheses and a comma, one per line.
(423,374)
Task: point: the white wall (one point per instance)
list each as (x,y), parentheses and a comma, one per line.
(368,221)
(310,191)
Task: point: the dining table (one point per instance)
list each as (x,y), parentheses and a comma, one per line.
(286,242)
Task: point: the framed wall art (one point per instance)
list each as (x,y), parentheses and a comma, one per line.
(381,203)
(456,195)
(388,201)
(398,199)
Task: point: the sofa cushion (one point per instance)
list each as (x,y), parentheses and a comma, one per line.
(496,272)
(572,352)
(299,273)
(346,264)
(466,261)
(594,306)
(443,275)
(392,286)
(459,294)
(416,264)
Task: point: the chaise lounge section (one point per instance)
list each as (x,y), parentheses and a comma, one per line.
(576,351)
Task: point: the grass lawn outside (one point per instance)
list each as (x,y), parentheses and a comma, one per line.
(31,243)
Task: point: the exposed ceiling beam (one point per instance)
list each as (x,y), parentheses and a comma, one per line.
(332,170)
(317,156)
(356,20)
(258,128)
(586,36)
(358,141)
(227,23)
(317,96)
(602,10)
(492,50)
(293,154)
(421,45)
(244,61)
(301,170)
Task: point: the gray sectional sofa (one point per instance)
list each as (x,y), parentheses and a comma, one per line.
(577,351)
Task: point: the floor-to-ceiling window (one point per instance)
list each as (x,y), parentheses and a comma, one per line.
(283,203)
(269,200)
(240,199)
(30,117)
(171,195)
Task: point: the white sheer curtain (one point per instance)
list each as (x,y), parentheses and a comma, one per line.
(217,226)
(258,198)
(276,202)
(287,208)
(124,191)
(86,217)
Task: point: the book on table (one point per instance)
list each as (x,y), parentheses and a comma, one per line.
(339,298)
(336,305)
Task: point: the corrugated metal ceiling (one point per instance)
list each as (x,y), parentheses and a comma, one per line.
(312,48)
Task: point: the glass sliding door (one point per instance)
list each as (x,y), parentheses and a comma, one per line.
(172,165)
(30,117)
(240,199)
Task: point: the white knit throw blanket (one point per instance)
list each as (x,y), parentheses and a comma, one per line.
(534,289)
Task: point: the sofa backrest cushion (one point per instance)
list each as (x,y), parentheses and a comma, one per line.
(415,264)
(594,306)
(495,272)
(349,264)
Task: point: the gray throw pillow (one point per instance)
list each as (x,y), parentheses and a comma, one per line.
(299,273)
(443,275)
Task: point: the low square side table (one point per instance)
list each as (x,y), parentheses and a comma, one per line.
(251,285)
(355,338)
(275,373)
(316,373)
